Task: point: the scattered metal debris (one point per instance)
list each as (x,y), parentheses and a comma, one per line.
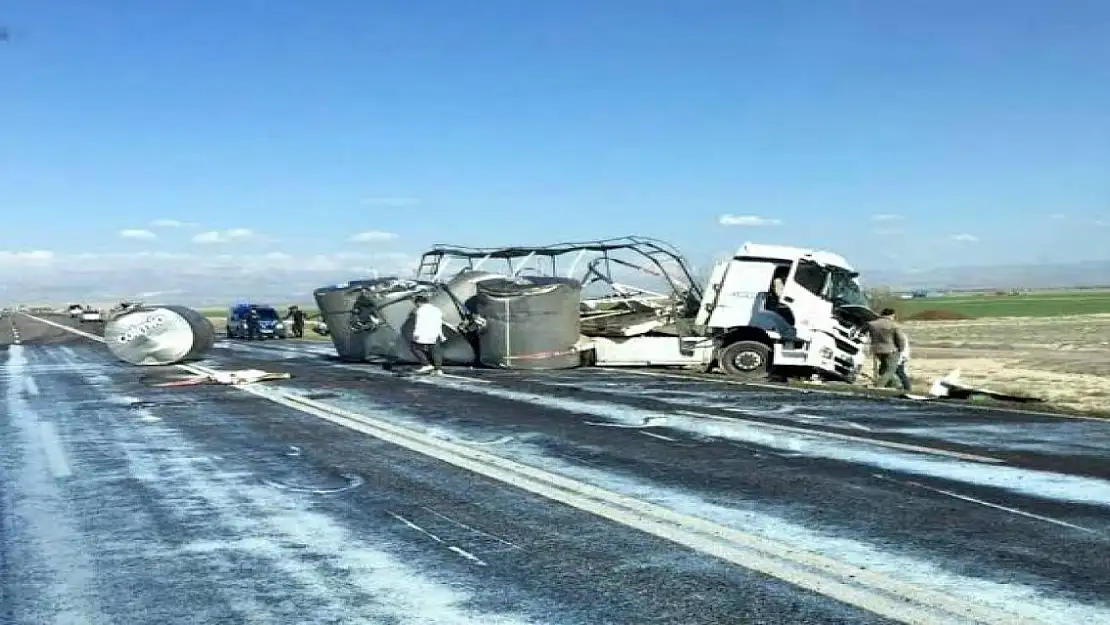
(231,378)
(951,387)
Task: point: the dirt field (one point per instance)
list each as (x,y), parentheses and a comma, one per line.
(1065,359)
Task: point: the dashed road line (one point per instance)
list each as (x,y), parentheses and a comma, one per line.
(988,504)
(55,453)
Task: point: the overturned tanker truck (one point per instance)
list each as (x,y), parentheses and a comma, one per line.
(576,304)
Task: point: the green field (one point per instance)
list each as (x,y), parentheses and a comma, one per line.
(1043,304)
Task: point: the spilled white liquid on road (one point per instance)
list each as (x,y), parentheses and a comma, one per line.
(58,583)
(324,573)
(1026,600)
(1036,483)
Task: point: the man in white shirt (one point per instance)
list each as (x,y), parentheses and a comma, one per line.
(901,373)
(427,336)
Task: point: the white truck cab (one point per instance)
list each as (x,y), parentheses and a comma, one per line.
(816,323)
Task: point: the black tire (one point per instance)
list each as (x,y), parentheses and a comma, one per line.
(749,360)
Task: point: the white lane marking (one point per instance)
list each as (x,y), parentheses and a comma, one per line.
(30,385)
(646,423)
(55,452)
(497,441)
(660,437)
(845,582)
(59,561)
(825,391)
(988,504)
(849,583)
(933,451)
(584,406)
(472,529)
(466,554)
(456,550)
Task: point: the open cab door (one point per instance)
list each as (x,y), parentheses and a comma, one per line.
(804,290)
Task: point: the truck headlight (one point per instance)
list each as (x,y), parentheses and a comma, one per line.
(279,325)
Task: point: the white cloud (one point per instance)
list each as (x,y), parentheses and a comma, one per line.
(888,232)
(9,258)
(747,220)
(225,236)
(169,223)
(373,235)
(965,238)
(391,201)
(886,217)
(136,233)
(192,279)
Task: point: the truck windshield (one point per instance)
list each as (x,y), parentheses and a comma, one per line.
(844,290)
(267,314)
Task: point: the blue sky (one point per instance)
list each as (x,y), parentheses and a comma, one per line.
(512,122)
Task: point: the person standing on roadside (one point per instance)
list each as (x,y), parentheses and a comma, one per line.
(427,336)
(298,317)
(254,325)
(903,361)
(887,345)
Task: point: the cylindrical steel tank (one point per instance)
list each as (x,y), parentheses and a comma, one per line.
(335,304)
(531,323)
(463,289)
(159,335)
(394,306)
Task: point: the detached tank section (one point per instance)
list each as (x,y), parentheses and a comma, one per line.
(530,323)
(159,335)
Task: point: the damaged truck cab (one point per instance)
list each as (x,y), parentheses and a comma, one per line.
(787,310)
(769,310)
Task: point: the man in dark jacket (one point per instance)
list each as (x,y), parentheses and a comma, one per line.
(298,317)
(887,344)
(254,325)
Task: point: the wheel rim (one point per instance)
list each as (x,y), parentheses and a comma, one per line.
(748,361)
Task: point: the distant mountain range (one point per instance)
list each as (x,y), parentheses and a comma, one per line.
(286,286)
(1054,275)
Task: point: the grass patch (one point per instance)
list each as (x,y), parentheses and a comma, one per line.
(1024,305)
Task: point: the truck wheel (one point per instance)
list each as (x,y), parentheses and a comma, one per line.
(746,359)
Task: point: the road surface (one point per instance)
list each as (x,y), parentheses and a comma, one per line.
(127,502)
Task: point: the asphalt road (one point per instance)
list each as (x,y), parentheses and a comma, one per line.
(127,502)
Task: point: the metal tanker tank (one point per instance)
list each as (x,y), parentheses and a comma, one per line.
(335,304)
(463,289)
(159,335)
(394,306)
(531,323)
(389,304)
